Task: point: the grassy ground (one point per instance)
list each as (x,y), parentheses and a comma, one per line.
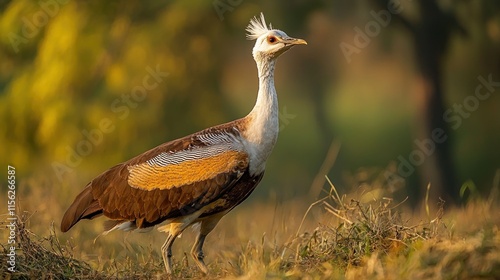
(355,236)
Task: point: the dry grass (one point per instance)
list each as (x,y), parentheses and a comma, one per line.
(372,240)
(43,257)
(339,237)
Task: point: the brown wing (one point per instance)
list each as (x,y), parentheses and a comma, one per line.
(173,179)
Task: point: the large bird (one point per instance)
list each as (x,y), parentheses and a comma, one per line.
(196,179)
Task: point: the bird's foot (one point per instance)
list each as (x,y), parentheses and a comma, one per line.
(198,259)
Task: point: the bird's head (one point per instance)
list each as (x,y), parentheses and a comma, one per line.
(270,43)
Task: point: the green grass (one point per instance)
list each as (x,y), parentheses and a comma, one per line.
(339,237)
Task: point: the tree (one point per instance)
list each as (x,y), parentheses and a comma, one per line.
(431,32)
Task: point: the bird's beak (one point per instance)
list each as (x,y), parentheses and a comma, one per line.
(294,41)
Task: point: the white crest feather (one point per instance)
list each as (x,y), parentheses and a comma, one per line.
(257,27)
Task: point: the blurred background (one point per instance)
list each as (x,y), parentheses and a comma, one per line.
(392,94)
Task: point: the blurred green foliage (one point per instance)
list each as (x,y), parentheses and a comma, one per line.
(65,66)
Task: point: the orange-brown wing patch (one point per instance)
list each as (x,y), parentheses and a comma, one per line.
(148,176)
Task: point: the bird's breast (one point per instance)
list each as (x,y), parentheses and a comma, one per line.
(259,147)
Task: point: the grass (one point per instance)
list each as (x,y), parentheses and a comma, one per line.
(337,237)
(44,257)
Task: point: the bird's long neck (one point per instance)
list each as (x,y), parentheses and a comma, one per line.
(263,125)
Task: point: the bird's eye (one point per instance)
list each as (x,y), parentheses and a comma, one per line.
(271,39)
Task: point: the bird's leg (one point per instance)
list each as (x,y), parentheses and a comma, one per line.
(197,252)
(206,226)
(166,250)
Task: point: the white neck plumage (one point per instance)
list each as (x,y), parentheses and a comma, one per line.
(263,124)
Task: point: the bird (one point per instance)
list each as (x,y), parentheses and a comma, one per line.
(196,179)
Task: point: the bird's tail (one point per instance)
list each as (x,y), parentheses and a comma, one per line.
(84,207)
